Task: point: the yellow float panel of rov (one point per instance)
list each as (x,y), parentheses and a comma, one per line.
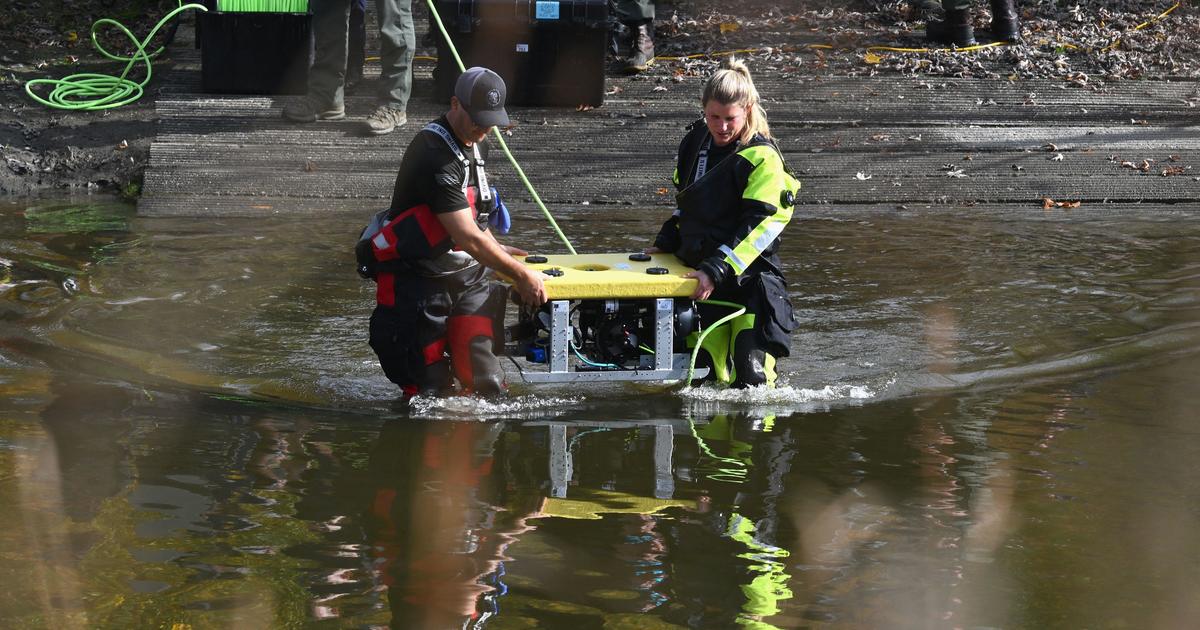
(600,276)
(595,503)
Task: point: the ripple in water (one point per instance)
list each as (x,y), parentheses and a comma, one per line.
(786,395)
(474,408)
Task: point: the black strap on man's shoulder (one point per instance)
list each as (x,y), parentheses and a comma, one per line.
(485,191)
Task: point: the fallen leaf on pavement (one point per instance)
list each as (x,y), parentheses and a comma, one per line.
(1048,203)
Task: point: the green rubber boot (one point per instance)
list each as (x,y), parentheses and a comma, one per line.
(714,354)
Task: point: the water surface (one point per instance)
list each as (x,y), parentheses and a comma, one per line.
(987,421)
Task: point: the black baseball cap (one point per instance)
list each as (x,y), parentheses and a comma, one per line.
(481,92)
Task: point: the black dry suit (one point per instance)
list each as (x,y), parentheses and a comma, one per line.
(728,222)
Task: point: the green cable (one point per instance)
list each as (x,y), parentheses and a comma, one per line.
(738,312)
(734,471)
(433,12)
(608,366)
(89,91)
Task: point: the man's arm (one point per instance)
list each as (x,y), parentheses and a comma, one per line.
(482,246)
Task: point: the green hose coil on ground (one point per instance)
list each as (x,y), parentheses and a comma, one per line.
(88,91)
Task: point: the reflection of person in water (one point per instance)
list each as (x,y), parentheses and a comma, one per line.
(54,483)
(742,463)
(86,424)
(436,523)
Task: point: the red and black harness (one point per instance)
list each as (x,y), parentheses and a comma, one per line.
(394,239)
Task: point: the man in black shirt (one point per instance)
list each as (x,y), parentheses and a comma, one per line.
(438,311)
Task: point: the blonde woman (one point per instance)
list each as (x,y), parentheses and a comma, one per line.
(735,198)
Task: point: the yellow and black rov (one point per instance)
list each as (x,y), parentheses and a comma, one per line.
(610,317)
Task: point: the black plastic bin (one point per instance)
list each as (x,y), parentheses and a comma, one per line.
(254,53)
(549,52)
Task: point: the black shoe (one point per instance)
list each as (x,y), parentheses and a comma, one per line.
(955,30)
(1008,31)
(1005,25)
(926,10)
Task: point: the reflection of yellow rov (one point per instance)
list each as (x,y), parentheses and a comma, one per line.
(611,317)
(590,503)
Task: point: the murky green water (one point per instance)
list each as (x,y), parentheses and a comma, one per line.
(990,421)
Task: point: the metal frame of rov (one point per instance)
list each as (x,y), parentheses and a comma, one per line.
(603,311)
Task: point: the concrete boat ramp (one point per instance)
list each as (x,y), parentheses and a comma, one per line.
(858,143)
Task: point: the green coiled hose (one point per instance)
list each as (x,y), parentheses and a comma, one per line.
(88,91)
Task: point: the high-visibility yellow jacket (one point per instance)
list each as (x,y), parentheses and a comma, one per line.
(729,220)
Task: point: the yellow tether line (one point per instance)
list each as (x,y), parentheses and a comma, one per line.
(1142,26)
(947,50)
(1157,17)
(744,50)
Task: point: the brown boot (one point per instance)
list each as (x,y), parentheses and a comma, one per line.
(643,47)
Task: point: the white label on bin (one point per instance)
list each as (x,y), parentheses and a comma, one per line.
(547,10)
(522,47)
